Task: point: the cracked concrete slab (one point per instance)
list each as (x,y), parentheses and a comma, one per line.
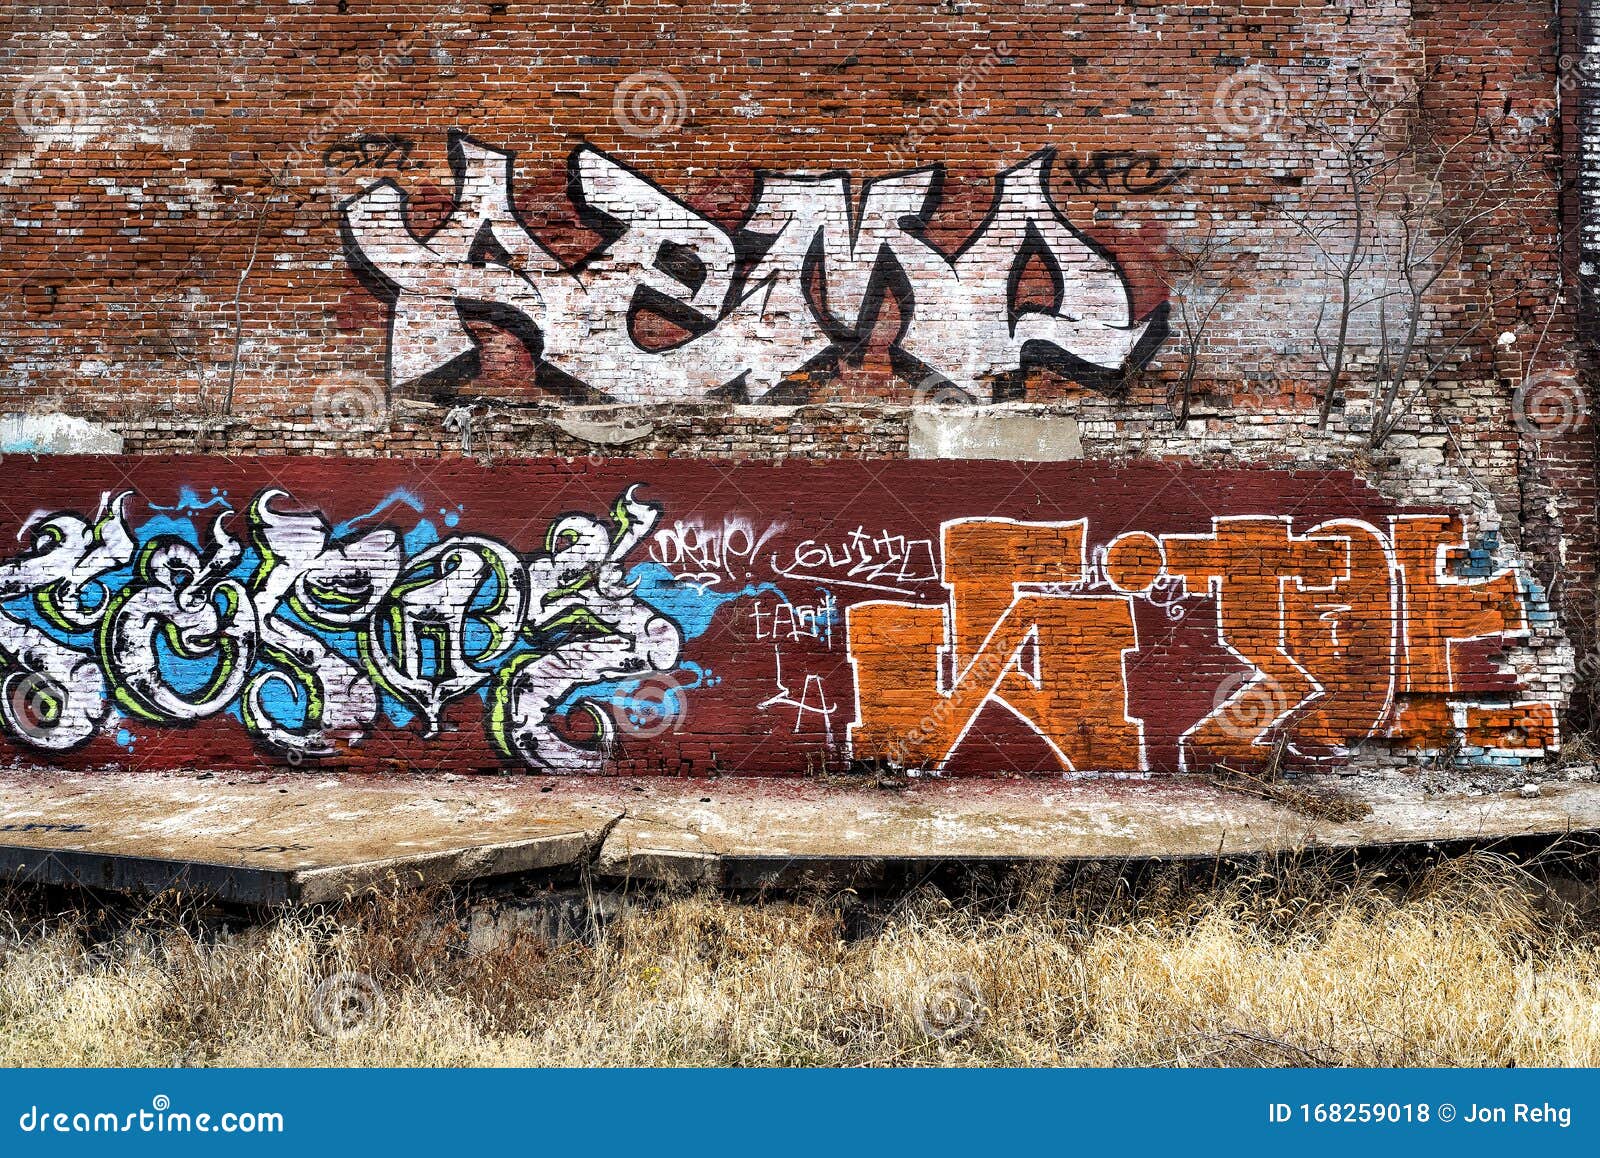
(307,837)
(724,832)
(286,838)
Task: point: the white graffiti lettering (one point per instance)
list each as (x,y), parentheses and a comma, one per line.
(308,632)
(705,555)
(785,621)
(875,562)
(53,696)
(805,276)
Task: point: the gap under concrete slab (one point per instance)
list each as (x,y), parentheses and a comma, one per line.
(305,838)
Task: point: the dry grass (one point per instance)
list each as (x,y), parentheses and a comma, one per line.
(1465,967)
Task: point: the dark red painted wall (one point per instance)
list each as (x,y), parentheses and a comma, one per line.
(690,617)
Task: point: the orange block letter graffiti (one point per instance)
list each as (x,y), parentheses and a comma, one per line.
(1314,618)
(1443,609)
(1054,660)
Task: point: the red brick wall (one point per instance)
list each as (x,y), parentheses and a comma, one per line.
(143,181)
(175,181)
(687,618)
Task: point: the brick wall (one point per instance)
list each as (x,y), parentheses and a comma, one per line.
(1102,217)
(694,617)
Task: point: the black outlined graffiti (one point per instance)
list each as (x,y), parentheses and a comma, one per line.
(53,696)
(370,151)
(799,284)
(1121,170)
(301,630)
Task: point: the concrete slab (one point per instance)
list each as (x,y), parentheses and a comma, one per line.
(994,432)
(724,834)
(56,434)
(267,840)
(308,838)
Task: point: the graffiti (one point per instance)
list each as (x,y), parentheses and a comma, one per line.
(53,696)
(706,555)
(1164,591)
(297,631)
(1056,662)
(1344,632)
(590,628)
(306,579)
(1121,170)
(556,617)
(788,621)
(802,281)
(369,151)
(875,562)
(813,699)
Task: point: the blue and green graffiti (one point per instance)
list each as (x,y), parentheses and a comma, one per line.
(308,634)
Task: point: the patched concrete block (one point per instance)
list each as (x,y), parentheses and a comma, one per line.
(977,432)
(56,434)
(614,432)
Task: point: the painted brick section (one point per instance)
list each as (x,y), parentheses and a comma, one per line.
(682,618)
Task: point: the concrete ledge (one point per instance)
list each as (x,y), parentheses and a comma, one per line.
(264,840)
(797,831)
(305,838)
